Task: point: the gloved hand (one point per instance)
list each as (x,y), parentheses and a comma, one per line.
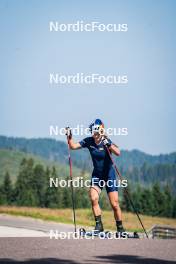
(106,142)
(68,132)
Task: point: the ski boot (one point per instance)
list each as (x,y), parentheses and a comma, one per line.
(121,233)
(98,225)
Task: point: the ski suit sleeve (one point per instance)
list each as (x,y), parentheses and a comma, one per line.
(83,143)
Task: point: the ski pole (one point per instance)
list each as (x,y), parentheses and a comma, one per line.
(72,191)
(127,194)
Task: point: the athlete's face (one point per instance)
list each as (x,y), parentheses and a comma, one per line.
(96,135)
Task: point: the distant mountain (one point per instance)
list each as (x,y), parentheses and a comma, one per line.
(10,161)
(136,166)
(49,149)
(54,150)
(136,158)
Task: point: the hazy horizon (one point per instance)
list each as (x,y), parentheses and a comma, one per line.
(122,149)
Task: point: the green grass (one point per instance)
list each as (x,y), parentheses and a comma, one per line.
(85,218)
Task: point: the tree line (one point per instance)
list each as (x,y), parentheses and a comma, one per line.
(32,189)
(146,174)
(154,201)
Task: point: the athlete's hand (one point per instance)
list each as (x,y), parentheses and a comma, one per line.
(106,142)
(68,132)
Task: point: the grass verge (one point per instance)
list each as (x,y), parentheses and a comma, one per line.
(84,217)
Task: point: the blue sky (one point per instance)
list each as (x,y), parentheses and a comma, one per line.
(146,53)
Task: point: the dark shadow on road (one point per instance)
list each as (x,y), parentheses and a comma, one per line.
(38,261)
(131,259)
(125,259)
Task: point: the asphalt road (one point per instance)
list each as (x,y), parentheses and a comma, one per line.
(28,224)
(38,250)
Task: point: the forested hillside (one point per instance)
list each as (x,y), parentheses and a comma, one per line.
(136,166)
(32,188)
(10,161)
(54,150)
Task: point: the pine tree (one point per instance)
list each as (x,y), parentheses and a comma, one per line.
(25,194)
(52,195)
(136,196)
(82,198)
(168,205)
(39,184)
(146,202)
(126,194)
(2,196)
(7,189)
(158,200)
(67,196)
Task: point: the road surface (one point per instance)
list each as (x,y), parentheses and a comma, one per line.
(39,248)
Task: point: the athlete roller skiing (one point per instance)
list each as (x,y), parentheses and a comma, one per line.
(103,171)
